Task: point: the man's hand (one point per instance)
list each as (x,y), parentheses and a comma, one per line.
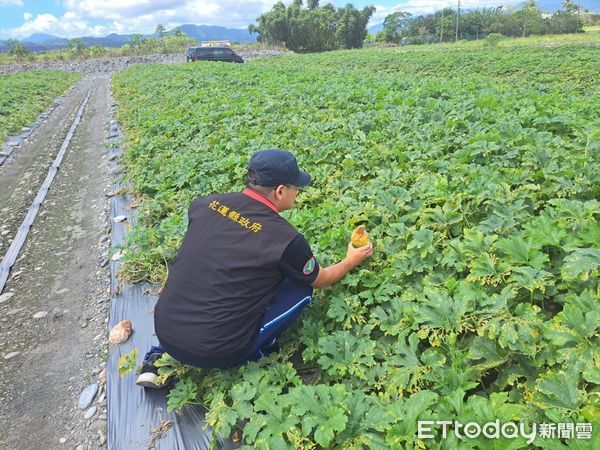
(332,274)
(356,256)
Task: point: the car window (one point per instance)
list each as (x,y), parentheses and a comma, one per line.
(211,52)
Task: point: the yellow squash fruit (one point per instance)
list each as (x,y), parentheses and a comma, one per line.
(359,237)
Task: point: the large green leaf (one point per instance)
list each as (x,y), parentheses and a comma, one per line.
(558,389)
(439,310)
(185,391)
(580,262)
(522,253)
(318,407)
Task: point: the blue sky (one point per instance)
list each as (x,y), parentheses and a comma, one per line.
(73,18)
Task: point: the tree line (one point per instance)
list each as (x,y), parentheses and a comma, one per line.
(313,28)
(449,24)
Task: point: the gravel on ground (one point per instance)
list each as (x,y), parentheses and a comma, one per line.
(109,65)
(54,309)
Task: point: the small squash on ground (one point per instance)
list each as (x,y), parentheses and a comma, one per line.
(360,237)
(120,332)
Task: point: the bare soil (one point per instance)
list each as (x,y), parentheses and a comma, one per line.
(113,64)
(60,271)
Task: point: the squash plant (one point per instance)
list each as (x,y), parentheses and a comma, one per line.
(478,184)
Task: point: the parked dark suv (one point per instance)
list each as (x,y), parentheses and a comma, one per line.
(212,54)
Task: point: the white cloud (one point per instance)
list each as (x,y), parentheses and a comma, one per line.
(148,13)
(64,26)
(120,9)
(41,23)
(11,2)
(102,17)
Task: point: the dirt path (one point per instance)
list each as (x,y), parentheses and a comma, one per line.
(56,317)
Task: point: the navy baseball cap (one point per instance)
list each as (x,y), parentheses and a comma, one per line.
(274,167)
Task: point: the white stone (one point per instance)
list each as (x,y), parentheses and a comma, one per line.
(87,396)
(6,297)
(118,255)
(90,413)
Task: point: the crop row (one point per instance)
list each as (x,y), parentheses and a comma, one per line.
(25,95)
(475,173)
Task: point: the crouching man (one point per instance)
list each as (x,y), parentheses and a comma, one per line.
(243,274)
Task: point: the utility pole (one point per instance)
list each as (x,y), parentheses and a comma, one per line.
(442,28)
(457,17)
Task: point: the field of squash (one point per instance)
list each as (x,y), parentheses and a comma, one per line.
(24,95)
(476,173)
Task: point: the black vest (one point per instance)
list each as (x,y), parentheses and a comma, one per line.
(225,275)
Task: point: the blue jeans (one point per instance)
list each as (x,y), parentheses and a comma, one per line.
(290,301)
